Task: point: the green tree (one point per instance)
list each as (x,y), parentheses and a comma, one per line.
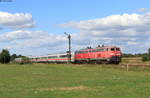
(4,56)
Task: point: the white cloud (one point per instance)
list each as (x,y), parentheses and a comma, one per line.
(132,43)
(33,40)
(142,9)
(111,22)
(41,36)
(123,30)
(16,21)
(129,31)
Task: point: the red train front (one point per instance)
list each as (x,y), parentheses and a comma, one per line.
(100,54)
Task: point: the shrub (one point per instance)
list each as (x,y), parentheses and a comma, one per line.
(146,58)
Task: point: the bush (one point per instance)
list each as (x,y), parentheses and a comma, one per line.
(146,58)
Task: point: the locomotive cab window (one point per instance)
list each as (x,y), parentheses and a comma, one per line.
(112,49)
(117,49)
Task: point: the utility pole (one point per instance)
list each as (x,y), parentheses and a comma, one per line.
(69,52)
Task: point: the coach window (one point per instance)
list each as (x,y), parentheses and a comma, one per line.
(63,56)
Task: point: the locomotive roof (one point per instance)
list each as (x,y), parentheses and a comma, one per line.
(98,48)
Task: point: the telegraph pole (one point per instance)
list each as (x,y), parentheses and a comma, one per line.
(69,52)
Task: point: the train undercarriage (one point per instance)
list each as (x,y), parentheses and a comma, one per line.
(112,60)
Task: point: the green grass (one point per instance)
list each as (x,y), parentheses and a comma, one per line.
(68,81)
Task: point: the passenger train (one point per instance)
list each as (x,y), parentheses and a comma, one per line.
(100,54)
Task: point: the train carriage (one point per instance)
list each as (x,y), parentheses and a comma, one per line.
(53,58)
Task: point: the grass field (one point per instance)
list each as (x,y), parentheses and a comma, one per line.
(68,81)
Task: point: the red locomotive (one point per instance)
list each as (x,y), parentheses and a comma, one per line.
(100,54)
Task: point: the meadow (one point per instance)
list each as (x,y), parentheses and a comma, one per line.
(72,81)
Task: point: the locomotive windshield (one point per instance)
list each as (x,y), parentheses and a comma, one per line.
(112,49)
(115,49)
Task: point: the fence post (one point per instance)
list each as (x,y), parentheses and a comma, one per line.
(127,67)
(143,66)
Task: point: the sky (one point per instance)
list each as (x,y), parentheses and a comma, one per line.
(36,27)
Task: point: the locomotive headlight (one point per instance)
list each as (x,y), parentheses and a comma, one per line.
(118,54)
(112,53)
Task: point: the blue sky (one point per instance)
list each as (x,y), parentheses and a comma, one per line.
(51,18)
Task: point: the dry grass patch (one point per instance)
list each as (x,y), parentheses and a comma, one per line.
(64,88)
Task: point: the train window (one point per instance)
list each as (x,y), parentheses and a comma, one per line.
(98,50)
(112,49)
(52,57)
(93,50)
(117,49)
(43,57)
(105,49)
(102,49)
(83,51)
(90,50)
(63,56)
(76,52)
(80,52)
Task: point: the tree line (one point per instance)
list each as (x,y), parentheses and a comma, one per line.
(144,56)
(5,56)
(126,55)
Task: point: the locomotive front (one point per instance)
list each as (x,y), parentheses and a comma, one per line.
(114,55)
